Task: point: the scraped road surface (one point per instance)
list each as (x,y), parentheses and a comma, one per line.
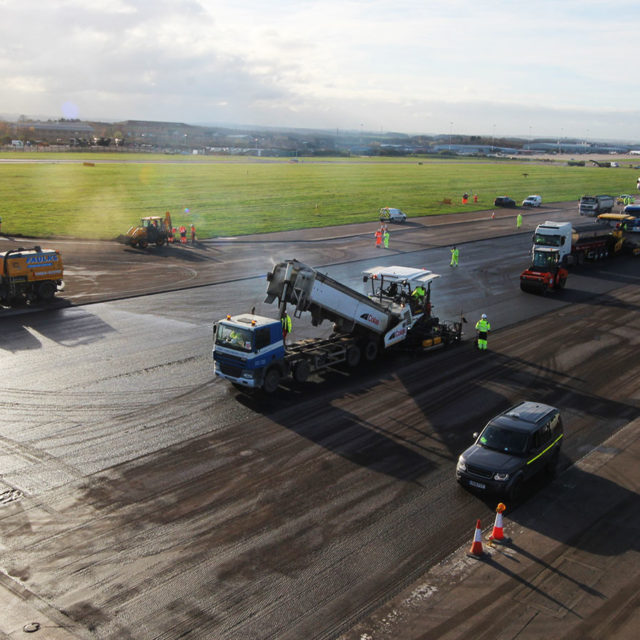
(142,499)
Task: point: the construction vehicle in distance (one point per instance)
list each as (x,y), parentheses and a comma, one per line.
(557,245)
(250,352)
(593,205)
(151,230)
(30,275)
(628,223)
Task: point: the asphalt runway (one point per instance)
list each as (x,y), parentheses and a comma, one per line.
(141,498)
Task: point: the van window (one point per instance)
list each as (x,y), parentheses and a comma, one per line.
(542,436)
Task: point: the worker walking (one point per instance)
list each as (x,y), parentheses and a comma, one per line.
(193,233)
(183,234)
(378,238)
(286,326)
(385,238)
(455,254)
(519,221)
(483,327)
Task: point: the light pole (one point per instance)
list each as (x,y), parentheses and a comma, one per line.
(493,139)
(450,135)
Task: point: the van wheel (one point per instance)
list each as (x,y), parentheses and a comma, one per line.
(271,380)
(515,492)
(552,466)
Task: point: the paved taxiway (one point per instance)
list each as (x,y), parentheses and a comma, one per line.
(144,499)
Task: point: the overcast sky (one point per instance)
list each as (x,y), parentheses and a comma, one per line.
(532,68)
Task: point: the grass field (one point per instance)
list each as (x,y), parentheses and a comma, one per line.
(63,197)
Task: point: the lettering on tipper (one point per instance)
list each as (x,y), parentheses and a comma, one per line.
(41,259)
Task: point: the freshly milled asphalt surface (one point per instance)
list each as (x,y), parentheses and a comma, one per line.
(143,499)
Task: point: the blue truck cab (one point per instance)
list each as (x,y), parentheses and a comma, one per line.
(245,346)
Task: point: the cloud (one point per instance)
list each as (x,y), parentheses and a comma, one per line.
(404,65)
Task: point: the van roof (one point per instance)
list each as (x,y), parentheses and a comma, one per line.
(524,416)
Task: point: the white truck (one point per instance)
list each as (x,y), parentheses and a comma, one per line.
(557,245)
(250,352)
(593,205)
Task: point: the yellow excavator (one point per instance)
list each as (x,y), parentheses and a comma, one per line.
(156,230)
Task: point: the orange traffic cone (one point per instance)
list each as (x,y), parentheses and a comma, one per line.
(498,532)
(476,546)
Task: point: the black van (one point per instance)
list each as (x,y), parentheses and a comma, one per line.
(513,447)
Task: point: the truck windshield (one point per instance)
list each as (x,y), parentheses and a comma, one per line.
(504,440)
(547,240)
(545,259)
(233,337)
(588,200)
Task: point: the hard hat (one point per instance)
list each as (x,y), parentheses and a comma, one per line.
(484,316)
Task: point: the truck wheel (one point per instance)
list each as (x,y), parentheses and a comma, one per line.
(371,351)
(271,380)
(353,356)
(46,291)
(301,371)
(143,244)
(159,242)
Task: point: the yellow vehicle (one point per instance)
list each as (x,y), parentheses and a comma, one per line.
(151,230)
(615,220)
(30,275)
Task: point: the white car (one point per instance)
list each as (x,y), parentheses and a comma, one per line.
(388,214)
(532,201)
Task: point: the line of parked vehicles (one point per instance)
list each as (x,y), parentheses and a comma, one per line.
(510,203)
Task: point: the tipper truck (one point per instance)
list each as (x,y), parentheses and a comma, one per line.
(250,352)
(557,245)
(30,275)
(593,205)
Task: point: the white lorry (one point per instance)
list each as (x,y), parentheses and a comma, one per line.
(249,350)
(557,245)
(594,205)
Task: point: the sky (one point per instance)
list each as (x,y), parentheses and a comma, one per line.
(536,68)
